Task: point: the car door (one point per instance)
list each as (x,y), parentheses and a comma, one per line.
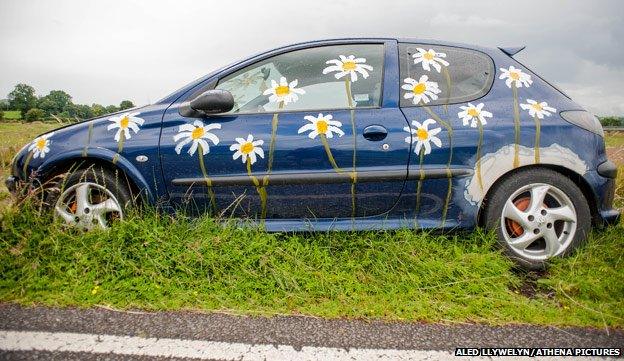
(444,95)
(315,132)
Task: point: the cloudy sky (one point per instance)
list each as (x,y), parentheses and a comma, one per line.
(106,51)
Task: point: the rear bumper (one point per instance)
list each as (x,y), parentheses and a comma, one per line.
(610,217)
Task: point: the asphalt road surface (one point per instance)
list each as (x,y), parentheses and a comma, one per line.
(97,333)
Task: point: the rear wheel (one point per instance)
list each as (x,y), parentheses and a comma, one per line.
(91,198)
(538,214)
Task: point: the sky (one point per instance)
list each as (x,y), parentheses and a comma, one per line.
(106,51)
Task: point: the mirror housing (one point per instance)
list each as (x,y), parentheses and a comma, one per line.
(212,101)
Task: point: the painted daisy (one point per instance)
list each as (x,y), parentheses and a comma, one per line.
(474,115)
(348,65)
(516,76)
(197,133)
(247,148)
(421,90)
(284,91)
(40,146)
(538,109)
(430,58)
(423,136)
(323,124)
(123,123)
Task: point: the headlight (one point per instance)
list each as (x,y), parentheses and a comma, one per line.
(583,119)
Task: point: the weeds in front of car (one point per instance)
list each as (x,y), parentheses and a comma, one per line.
(159,262)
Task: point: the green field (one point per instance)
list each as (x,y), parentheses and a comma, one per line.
(157,262)
(12,114)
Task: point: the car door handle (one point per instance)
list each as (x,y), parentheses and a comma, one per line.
(375,133)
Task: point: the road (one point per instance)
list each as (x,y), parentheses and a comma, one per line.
(98,333)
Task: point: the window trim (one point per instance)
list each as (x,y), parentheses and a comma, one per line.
(249,62)
(412,105)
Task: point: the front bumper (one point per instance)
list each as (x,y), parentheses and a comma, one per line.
(11,183)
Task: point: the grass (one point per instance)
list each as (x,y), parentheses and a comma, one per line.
(156,262)
(14,136)
(159,263)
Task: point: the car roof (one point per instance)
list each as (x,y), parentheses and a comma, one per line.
(401,40)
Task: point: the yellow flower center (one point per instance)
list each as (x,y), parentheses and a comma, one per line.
(348,66)
(514,75)
(473,112)
(321,126)
(419,88)
(197,133)
(247,148)
(123,123)
(537,107)
(41,143)
(282,90)
(422,134)
(428,56)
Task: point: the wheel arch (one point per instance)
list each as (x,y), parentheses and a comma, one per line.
(578,179)
(108,159)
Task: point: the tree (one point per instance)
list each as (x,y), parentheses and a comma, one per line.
(4,104)
(111,109)
(34,114)
(55,102)
(22,98)
(98,110)
(611,121)
(1,115)
(126,104)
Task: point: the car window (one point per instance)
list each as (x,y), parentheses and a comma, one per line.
(435,75)
(309,79)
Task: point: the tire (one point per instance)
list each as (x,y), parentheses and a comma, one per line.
(91,197)
(529,232)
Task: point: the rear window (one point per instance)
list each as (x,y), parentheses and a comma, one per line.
(437,75)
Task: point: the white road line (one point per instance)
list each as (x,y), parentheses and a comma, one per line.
(169,347)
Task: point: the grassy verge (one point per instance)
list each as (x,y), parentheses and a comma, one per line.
(159,263)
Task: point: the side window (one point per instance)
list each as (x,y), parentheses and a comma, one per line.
(437,75)
(309,79)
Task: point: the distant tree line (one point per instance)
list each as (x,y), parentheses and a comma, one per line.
(612,121)
(56,104)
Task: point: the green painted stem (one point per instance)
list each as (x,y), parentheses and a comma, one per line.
(479,144)
(354,132)
(420,179)
(516,111)
(260,189)
(329,153)
(538,129)
(447,76)
(120,144)
(202,166)
(89,135)
(449,190)
(26,162)
(274,124)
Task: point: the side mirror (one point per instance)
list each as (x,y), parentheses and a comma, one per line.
(213,101)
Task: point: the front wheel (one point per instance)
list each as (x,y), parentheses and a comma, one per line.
(538,214)
(91,198)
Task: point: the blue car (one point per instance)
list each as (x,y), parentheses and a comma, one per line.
(348,134)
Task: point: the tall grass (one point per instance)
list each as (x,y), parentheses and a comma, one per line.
(158,262)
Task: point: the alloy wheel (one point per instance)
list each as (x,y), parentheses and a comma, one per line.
(538,221)
(88,205)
